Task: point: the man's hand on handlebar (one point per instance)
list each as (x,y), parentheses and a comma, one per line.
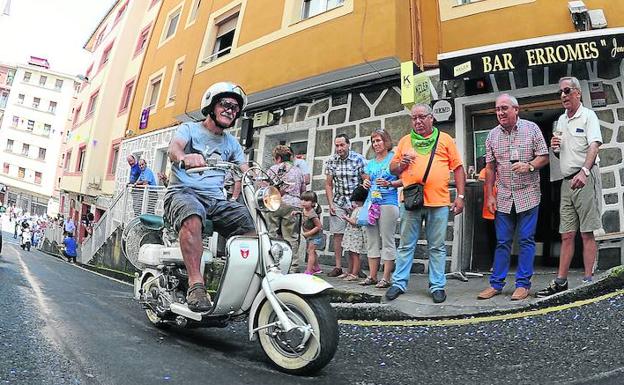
(192,161)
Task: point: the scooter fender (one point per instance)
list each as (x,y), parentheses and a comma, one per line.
(303,284)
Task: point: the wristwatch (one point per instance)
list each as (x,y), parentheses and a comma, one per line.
(585,170)
(531,168)
(461,196)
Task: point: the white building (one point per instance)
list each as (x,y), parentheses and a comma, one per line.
(31,133)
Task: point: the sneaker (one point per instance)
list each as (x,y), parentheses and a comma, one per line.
(336,271)
(198,299)
(438,296)
(587,280)
(553,288)
(317,271)
(393,292)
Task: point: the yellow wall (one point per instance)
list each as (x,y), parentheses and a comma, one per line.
(535,18)
(272,50)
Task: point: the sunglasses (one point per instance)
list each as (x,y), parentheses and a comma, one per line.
(566,90)
(234,107)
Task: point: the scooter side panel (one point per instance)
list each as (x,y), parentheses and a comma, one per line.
(243,254)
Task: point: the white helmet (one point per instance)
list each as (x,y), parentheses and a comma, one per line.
(219,90)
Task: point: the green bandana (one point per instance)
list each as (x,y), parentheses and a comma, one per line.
(424,145)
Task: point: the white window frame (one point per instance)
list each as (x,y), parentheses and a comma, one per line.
(147,95)
(170,16)
(193,12)
(175,78)
(45,80)
(323,6)
(207,55)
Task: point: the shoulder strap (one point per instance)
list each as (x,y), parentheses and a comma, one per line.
(433,150)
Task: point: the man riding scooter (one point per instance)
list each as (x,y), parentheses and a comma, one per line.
(192,198)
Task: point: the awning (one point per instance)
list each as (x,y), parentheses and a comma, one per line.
(555,50)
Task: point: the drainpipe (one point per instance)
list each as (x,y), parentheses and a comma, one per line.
(416,27)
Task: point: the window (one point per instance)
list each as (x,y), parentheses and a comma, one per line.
(76,115)
(31,125)
(27,76)
(43,80)
(225,38)
(37,177)
(314,7)
(142,40)
(35,103)
(154,91)
(105,56)
(120,13)
(172,25)
(461,2)
(25,149)
(46,129)
(58,84)
(67,160)
(100,37)
(114,157)
(15,121)
(9,146)
(177,72)
(126,96)
(5,168)
(52,107)
(193,14)
(91,105)
(21,172)
(20,98)
(81,158)
(42,153)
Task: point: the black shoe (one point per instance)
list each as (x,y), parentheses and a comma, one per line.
(197,298)
(393,293)
(438,296)
(553,288)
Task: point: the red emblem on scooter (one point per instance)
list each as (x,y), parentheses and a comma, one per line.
(244,251)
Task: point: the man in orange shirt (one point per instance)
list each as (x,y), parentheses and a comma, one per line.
(410,163)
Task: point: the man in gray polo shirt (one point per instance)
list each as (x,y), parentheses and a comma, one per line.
(577,139)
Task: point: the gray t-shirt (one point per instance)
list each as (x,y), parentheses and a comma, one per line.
(201,141)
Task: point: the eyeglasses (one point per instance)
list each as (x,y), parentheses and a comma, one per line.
(420,117)
(502,108)
(234,107)
(566,90)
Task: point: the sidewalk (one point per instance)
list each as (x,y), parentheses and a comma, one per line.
(368,302)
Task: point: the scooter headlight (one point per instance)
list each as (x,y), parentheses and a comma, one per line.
(268,198)
(277,251)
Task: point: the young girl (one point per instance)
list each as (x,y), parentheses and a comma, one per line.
(354,241)
(312,229)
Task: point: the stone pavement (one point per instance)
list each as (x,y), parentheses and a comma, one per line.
(353,301)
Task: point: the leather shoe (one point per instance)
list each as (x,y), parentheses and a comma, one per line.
(488,293)
(520,293)
(393,293)
(438,296)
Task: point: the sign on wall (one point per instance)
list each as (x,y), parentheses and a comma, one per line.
(144,118)
(521,58)
(415,87)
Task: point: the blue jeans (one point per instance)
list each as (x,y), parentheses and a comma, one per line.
(506,225)
(436,222)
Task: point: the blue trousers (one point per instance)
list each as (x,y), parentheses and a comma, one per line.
(506,225)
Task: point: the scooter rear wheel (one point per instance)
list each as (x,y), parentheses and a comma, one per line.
(317,351)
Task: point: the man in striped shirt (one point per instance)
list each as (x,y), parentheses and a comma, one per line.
(515,150)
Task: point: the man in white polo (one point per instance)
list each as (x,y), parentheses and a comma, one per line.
(578,140)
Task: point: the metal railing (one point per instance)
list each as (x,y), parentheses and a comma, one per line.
(128,204)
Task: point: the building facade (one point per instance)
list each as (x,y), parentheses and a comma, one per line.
(31,134)
(100,114)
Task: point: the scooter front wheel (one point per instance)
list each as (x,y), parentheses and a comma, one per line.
(292,352)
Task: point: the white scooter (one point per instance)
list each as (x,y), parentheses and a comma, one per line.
(289,314)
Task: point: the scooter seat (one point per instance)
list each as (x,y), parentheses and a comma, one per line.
(152,222)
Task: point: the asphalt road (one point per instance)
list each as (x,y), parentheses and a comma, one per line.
(60,324)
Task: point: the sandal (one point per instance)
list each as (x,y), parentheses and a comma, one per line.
(368,281)
(351,277)
(343,275)
(198,299)
(383,284)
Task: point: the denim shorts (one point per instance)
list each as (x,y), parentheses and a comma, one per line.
(228,218)
(316,240)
